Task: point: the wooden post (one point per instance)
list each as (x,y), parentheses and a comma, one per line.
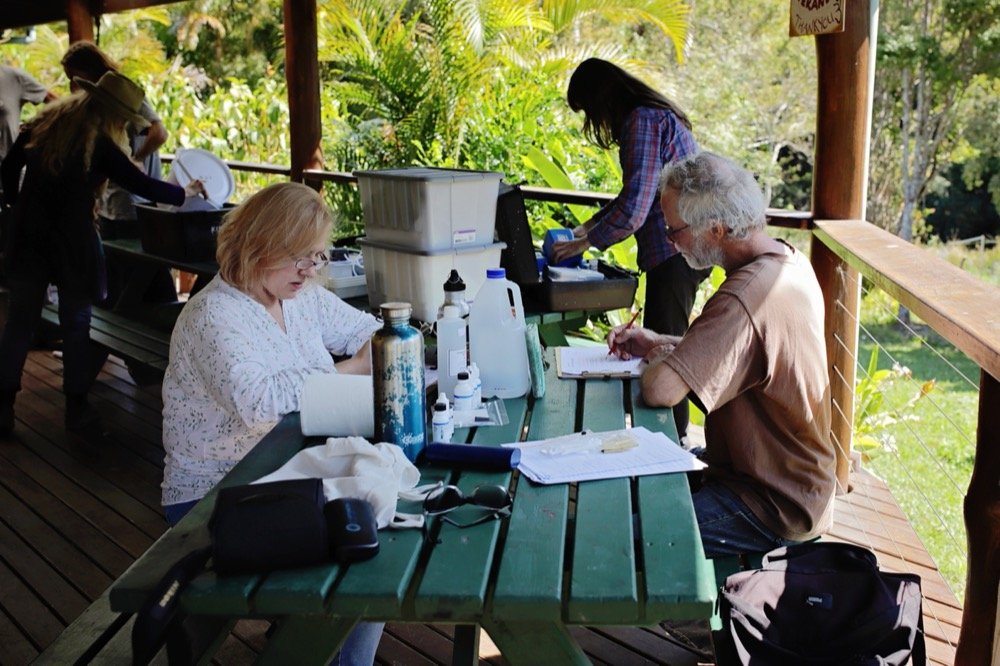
(982,524)
(79,20)
(302,77)
(845,63)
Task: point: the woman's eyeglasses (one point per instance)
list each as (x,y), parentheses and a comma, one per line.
(441,501)
(318,262)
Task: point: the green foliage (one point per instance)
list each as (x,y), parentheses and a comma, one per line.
(872,418)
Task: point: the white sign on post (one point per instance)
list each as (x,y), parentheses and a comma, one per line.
(816,17)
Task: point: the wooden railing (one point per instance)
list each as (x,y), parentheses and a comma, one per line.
(965,311)
(959,307)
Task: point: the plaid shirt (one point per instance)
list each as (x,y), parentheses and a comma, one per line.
(650,139)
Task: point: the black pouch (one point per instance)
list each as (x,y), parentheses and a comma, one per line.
(267,526)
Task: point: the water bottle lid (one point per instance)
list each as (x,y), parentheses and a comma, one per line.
(451,312)
(396,310)
(454,282)
(495,274)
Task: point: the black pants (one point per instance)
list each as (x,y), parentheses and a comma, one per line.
(27,296)
(670,291)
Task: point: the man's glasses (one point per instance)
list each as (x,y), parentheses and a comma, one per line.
(671,233)
(441,501)
(318,263)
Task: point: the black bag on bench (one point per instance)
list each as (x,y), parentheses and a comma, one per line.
(823,603)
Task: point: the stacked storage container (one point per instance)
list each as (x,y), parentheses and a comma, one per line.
(421,223)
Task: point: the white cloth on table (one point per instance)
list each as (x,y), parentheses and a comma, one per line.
(233,374)
(352,467)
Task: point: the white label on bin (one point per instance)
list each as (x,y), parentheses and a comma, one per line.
(463,237)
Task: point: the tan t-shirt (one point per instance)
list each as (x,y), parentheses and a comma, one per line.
(756,358)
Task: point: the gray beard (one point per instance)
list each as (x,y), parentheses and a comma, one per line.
(701,256)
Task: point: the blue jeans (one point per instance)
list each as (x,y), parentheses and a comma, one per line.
(362,643)
(728,526)
(27,296)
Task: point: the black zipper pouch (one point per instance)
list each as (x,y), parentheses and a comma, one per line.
(262,527)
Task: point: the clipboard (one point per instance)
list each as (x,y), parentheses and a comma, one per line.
(593,363)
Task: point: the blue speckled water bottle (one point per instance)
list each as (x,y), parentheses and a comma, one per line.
(398,378)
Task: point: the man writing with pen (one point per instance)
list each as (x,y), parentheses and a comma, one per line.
(755,358)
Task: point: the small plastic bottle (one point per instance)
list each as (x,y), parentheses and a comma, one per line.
(454,294)
(477,383)
(442,421)
(463,393)
(452,347)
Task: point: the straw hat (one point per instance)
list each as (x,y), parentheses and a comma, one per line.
(117,93)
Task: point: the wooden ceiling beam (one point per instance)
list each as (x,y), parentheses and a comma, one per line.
(25,13)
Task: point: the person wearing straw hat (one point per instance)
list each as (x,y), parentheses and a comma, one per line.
(67,153)
(117,216)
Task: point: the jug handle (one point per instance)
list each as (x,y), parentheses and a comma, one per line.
(515,295)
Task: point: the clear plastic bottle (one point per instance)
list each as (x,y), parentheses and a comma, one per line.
(477,383)
(398,381)
(452,347)
(496,337)
(454,294)
(463,393)
(442,420)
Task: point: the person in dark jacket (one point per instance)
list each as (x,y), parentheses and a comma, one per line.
(67,154)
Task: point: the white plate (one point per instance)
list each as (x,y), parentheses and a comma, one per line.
(197,164)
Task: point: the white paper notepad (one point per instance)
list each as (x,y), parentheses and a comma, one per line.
(593,362)
(579,457)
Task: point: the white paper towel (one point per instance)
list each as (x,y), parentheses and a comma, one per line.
(337,405)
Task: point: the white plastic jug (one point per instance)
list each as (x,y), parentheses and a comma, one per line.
(496,337)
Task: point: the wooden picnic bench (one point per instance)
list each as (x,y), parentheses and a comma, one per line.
(612,552)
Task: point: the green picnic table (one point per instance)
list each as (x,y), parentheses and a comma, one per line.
(612,552)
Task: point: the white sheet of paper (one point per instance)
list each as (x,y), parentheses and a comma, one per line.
(583,361)
(578,457)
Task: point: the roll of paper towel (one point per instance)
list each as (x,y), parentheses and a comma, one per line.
(337,405)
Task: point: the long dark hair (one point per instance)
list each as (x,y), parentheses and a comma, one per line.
(607,94)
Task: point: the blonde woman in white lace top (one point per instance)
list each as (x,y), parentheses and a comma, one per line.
(243,346)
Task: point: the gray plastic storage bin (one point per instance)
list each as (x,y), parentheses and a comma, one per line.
(429,209)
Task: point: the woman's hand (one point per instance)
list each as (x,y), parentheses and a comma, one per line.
(582,230)
(563,250)
(195,188)
(359,364)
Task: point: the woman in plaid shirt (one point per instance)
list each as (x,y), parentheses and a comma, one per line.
(650,131)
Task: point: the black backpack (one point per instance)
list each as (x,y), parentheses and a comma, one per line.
(822,603)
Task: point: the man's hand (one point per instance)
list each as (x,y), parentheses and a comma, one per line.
(627,343)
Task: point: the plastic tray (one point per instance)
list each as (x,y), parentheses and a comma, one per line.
(183,236)
(617,290)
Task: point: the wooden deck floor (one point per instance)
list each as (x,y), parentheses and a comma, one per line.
(74,514)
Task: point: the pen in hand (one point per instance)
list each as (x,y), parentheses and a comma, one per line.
(629,325)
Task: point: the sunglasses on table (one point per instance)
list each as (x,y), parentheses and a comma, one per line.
(440,501)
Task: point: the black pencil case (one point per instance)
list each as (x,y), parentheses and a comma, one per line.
(262,527)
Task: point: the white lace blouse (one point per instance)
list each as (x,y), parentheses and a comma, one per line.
(233,374)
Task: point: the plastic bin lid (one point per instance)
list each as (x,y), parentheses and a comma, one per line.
(428,174)
(197,164)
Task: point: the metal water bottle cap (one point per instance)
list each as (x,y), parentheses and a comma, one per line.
(396,311)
